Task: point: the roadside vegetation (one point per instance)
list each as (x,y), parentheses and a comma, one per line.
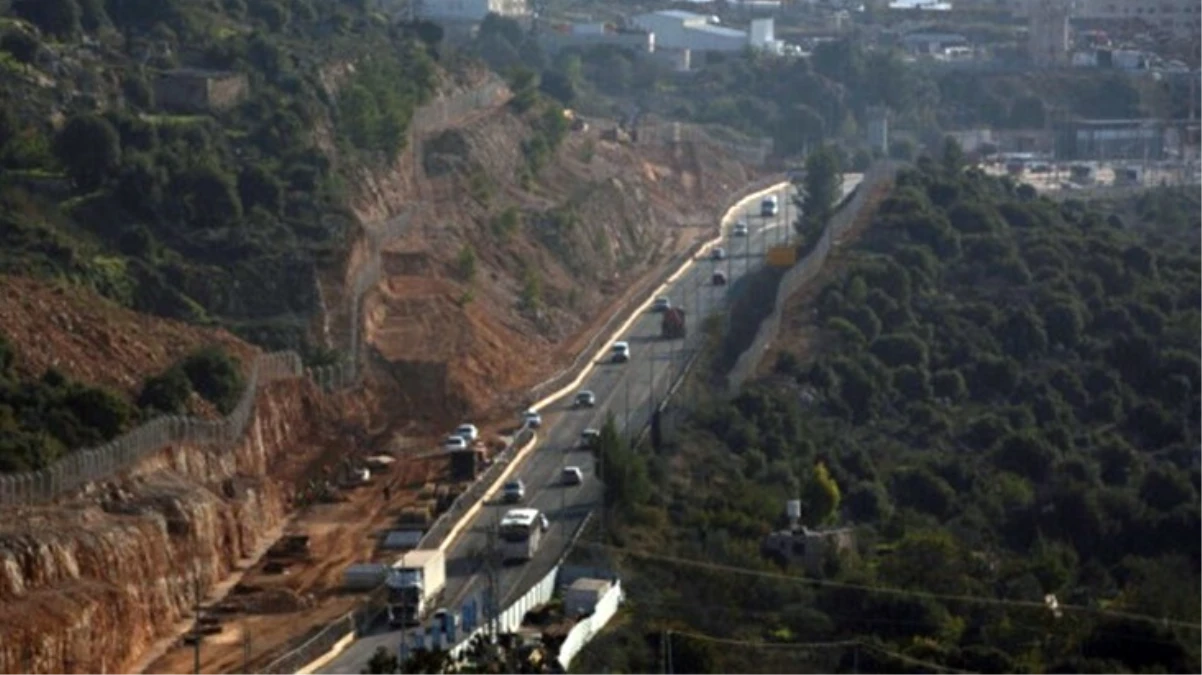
(1000,395)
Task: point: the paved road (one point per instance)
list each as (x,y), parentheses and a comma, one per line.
(625,390)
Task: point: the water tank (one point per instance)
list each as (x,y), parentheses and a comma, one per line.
(793,509)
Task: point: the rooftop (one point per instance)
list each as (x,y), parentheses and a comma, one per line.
(681,14)
(519,517)
(719,30)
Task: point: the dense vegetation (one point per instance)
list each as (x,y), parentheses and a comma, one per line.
(1004,392)
(221,215)
(801,102)
(43,418)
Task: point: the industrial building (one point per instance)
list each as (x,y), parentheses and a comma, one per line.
(1047,32)
(1133,139)
(675,29)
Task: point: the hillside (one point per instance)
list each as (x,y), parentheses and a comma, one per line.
(1000,396)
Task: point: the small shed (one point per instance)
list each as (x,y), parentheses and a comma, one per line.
(583,595)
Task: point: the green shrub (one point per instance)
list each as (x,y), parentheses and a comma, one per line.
(216,376)
(167,392)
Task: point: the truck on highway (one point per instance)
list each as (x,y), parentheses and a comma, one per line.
(415,584)
(521,533)
(672,326)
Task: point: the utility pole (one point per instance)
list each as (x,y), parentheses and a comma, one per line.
(196,619)
(491,573)
(651,385)
(668,645)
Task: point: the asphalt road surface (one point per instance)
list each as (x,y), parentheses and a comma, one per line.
(627,390)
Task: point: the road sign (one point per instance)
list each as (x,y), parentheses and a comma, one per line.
(782,256)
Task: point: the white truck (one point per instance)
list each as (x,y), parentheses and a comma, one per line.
(415,584)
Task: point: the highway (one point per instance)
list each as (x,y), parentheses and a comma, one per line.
(627,390)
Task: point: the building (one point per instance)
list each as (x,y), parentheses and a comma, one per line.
(472,11)
(567,35)
(932,43)
(809,548)
(195,90)
(1132,139)
(1181,18)
(1047,32)
(675,29)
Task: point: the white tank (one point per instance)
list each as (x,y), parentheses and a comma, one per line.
(793,509)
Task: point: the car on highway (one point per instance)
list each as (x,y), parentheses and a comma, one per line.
(719,278)
(589,438)
(584,399)
(467,432)
(532,419)
(718,253)
(572,475)
(661,305)
(454,442)
(740,229)
(620,352)
(514,491)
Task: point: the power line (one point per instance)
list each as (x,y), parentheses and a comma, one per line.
(1029,604)
(807,646)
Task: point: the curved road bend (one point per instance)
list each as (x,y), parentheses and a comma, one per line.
(624,389)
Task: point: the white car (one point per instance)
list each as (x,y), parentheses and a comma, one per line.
(584,399)
(661,305)
(453,443)
(620,352)
(532,419)
(740,229)
(572,475)
(718,254)
(467,432)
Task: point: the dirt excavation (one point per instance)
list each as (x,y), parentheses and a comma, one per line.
(497,287)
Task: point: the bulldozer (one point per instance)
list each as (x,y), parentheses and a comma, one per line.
(672,326)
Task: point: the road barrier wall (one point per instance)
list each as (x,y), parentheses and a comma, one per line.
(804,270)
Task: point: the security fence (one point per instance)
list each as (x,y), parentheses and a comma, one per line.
(82,467)
(804,270)
(749,151)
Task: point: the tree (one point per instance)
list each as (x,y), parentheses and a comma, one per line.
(820,189)
(215,375)
(258,187)
(167,392)
(23,46)
(558,86)
(382,661)
(59,18)
(212,198)
(820,497)
(90,150)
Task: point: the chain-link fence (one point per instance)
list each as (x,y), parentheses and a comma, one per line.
(804,270)
(748,151)
(82,467)
(86,466)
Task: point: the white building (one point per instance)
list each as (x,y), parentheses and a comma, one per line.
(472,10)
(1178,17)
(675,29)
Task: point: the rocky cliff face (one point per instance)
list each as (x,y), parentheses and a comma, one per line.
(89,586)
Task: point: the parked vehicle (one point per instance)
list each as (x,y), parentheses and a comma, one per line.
(415,584)
(467,432)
